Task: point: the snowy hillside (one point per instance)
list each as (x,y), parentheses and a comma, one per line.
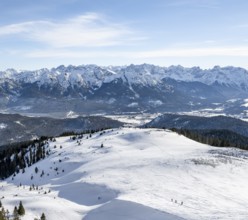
(133,174)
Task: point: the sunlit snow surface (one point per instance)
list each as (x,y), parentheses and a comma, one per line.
(137,174)
(3,126)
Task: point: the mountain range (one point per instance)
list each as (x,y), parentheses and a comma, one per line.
(114,89)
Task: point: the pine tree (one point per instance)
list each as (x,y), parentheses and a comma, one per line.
(3,214)
(21,210)
(30,157)
(7,214)
(43,217)
(15,214)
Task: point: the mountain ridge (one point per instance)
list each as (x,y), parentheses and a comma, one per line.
(15,128)
(94,74)
(191,122)
(116,89)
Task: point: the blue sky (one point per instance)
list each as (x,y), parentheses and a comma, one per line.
(48,33)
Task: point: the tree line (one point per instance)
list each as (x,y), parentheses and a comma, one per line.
(17,157)
(14,158)
(213,137)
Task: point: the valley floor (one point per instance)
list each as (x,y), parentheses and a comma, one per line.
(133,174)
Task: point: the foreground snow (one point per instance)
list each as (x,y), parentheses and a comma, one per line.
(137,174)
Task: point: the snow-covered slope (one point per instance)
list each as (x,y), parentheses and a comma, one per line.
(136,174)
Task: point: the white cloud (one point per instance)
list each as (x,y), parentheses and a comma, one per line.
(88,30)
(189,52)
(209,42)
(194,52)
(241,26)
(21,28)
(195,3)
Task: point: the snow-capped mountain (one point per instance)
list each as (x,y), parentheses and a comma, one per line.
(122,88)
(146,75)
(131,173)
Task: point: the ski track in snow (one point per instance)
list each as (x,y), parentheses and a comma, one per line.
(138,174)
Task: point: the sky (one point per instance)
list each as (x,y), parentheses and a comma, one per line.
(44,34)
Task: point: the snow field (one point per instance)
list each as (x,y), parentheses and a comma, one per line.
(137,174)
